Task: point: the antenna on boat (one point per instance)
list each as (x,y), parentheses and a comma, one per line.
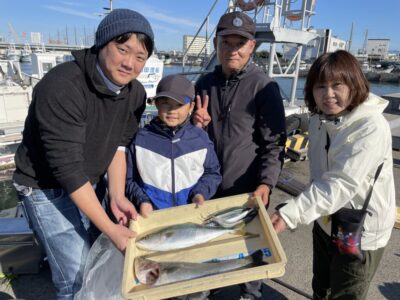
(107,9)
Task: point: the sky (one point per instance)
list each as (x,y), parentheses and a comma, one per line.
(171,19)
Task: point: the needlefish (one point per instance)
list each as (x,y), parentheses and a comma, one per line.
(182,236)
(231,217)
(154,273)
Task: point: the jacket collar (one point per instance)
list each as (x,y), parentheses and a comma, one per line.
(157,125)
(86,59)
(371,106)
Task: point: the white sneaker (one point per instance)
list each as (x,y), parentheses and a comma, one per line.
(247,297)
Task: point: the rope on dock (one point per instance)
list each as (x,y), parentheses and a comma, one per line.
(292,288)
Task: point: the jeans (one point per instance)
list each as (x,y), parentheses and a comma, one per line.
(63,231)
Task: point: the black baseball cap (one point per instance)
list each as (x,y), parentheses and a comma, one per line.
(236,23)
(177,87)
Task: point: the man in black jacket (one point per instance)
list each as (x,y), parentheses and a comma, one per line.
(83,115)
(243,112)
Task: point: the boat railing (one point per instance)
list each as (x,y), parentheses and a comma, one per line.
(284,22)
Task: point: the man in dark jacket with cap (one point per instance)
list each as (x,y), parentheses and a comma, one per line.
(83,115)
(243,112)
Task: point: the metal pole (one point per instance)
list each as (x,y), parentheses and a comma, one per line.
(66,34)
(292,288)
(296,75)
(271,59)
(206,52)
(76,42)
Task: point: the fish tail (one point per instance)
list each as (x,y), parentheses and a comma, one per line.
(257,258)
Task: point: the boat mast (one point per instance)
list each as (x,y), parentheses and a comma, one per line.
(351,37)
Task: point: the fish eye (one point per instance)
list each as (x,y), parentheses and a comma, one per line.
(169,233)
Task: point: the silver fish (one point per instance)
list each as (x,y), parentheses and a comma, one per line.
(154,273)
(183,236)
(231,217)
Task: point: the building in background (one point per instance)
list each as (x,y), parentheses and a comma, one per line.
(325,42)
(197,45)
(36,38)
(377,49)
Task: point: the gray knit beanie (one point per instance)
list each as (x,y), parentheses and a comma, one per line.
(120,21)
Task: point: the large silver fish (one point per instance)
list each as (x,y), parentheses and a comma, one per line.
(183,236)
(150,272)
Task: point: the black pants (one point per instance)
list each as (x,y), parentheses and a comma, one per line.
(337,276)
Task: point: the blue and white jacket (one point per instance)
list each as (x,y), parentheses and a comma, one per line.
(168,167)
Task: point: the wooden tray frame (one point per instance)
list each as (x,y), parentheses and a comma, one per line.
(263,236)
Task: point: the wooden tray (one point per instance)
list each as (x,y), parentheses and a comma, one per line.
(264,237)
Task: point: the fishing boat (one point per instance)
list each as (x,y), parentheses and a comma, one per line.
(151,75)
(12,53)
(26,53)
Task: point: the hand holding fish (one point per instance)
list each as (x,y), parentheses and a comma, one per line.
(201,117)
(119,235)
(278,222)
(262,191)
(145,209)
(198,199)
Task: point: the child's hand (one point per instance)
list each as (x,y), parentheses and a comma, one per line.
(145,209)
(201,118)
(198,199)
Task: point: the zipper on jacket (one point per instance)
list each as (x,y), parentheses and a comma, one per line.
(222,117)
(173,141)
(225,108)
(229,119)
(328,144)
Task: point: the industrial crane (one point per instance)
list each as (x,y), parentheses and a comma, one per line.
(14,33)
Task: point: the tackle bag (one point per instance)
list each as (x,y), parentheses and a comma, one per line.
(348,226)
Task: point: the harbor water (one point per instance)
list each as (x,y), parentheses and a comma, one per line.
(8,198)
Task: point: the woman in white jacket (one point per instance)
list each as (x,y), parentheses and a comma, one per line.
(349,139)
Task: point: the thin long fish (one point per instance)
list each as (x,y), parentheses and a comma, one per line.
(232,217)
(183,236)
(158,273)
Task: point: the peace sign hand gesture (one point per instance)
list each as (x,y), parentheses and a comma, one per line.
(201,118)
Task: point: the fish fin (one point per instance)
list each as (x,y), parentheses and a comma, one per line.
(240,229)
(249,235)
(251,215)
(257,258)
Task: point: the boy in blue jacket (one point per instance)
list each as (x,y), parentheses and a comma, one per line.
(170,161)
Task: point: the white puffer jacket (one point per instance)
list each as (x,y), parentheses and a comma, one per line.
(359,142)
